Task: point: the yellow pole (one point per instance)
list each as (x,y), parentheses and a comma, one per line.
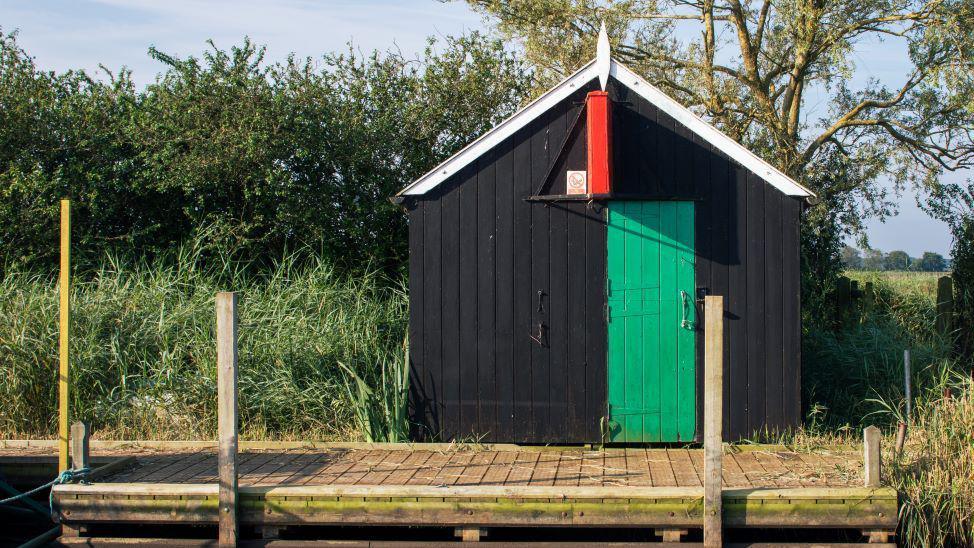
(65,311)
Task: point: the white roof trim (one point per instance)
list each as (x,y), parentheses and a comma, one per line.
(634,82)
(501,131)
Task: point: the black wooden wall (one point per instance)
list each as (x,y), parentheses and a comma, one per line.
(507,296)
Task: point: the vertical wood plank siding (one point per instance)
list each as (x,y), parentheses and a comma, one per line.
(490,359)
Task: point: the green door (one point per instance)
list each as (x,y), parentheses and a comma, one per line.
(652,387)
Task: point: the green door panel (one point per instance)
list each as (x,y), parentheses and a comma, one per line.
(651,322)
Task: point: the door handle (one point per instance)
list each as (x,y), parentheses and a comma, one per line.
(685,323)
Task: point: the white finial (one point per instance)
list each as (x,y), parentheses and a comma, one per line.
(603,57)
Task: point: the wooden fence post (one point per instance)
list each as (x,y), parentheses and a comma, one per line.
(226,359)
(907,384)
(713,421)
(871,456)
(945,304)
(843,298)
(868,297)
(64,326)
(79,446)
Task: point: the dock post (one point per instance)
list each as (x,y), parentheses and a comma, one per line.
(871,455)
(713,421)
(64,326)
(226,359)
(79,446)
(872,462)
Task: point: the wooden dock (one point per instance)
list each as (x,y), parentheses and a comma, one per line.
(477,489)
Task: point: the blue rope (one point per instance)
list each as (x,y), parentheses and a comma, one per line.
(64,477)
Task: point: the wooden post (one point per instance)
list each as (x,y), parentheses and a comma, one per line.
(871,456)
(843,298)
(226,359)
(469,534)
(63,330)
(945,304)
(712,421)
(79,446)
(907,384)
(900,438)
(868,297)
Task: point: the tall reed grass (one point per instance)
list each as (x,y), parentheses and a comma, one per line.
(143,353)
(847,372)
(854,377)
(935,472)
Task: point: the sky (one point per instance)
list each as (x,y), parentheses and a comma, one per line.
(71,34)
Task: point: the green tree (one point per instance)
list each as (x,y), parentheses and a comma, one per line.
(897,260)
(874,260)
(953,203)
(851,258)
(932,262)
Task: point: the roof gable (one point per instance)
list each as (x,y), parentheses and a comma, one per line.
(638,85)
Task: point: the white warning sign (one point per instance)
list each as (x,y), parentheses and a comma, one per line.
(577,182)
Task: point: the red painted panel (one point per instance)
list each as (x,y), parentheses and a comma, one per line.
(599,118)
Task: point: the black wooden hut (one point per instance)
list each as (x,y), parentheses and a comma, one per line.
(557,261)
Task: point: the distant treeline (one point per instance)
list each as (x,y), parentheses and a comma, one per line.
(874,259)
(266,156)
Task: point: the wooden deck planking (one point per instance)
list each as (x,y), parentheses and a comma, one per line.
(683,469)
(522,469)
(265,473)
(637,467)
(781,475)
(360,468)
(655,488)
(315,467)
(477,469)
(660,468)
(383,466)
(593,462)
(752,468)
(733,475)
(332,471)
(407,469)
(614,470)
(155,468)
(451,471)
(499,469)
(547,467)
(425,475)
(569,469)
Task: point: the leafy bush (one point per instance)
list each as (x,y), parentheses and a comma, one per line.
(269,156)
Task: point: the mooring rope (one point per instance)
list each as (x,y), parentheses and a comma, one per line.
(64,477)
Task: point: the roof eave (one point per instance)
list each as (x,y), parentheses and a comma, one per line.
(633,81)
(502,130)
